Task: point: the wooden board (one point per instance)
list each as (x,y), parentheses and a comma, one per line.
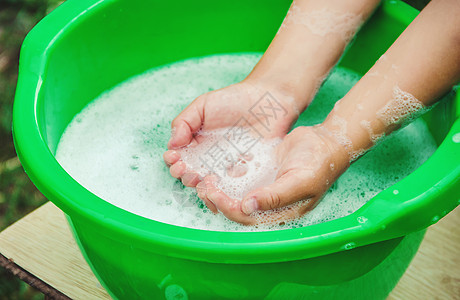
(435,271)
(42,245)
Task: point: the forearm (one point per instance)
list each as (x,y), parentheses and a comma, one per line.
(422,65)
(309,43)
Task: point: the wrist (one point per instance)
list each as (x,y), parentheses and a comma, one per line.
(297,90)
(338,150)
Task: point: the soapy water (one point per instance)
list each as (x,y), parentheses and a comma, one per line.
(114,147)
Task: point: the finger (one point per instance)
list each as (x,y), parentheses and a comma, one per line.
(201,191)
(282,215)
(289,188)
(171,157)
(231,208)
(210,205)
(191,179)
(187,123)
(178,169)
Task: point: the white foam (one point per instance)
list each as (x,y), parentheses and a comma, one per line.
(401,109)
(324,21)
(242,160)
(375,138)
(114,147)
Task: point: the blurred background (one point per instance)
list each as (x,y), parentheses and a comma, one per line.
(18,196)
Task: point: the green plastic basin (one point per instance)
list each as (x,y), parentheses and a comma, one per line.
(85,47)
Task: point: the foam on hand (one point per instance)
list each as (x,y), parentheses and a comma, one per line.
(242,161)
(114,147)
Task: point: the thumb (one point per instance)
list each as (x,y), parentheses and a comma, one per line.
(187,123)
(287,189)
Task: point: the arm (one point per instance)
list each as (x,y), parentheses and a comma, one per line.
(420,66)
(308,44)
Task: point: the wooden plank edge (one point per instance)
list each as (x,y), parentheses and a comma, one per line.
(30,279)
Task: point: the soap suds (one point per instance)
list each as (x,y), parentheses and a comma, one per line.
(401,109)
(114,147)
(375,137)
(242,161)
(324,21)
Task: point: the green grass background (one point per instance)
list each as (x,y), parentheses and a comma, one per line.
(18,196)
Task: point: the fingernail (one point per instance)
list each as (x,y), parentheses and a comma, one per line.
(250,206)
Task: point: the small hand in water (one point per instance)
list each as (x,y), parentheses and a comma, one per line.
(310,161)
(241,104)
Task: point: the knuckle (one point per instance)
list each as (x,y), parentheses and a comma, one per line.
(273,200)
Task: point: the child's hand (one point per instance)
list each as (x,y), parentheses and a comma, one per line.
(310,161)
(293,67)
(241,104)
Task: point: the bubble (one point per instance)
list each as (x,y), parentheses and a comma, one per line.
(362,219)
(175,292)
(395,192)
(456,138)
(240,169)
(349,246)
(340,133)
(357,154)
(375,138)
(323,22)
(99,150)
(401,109)
(278,216)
